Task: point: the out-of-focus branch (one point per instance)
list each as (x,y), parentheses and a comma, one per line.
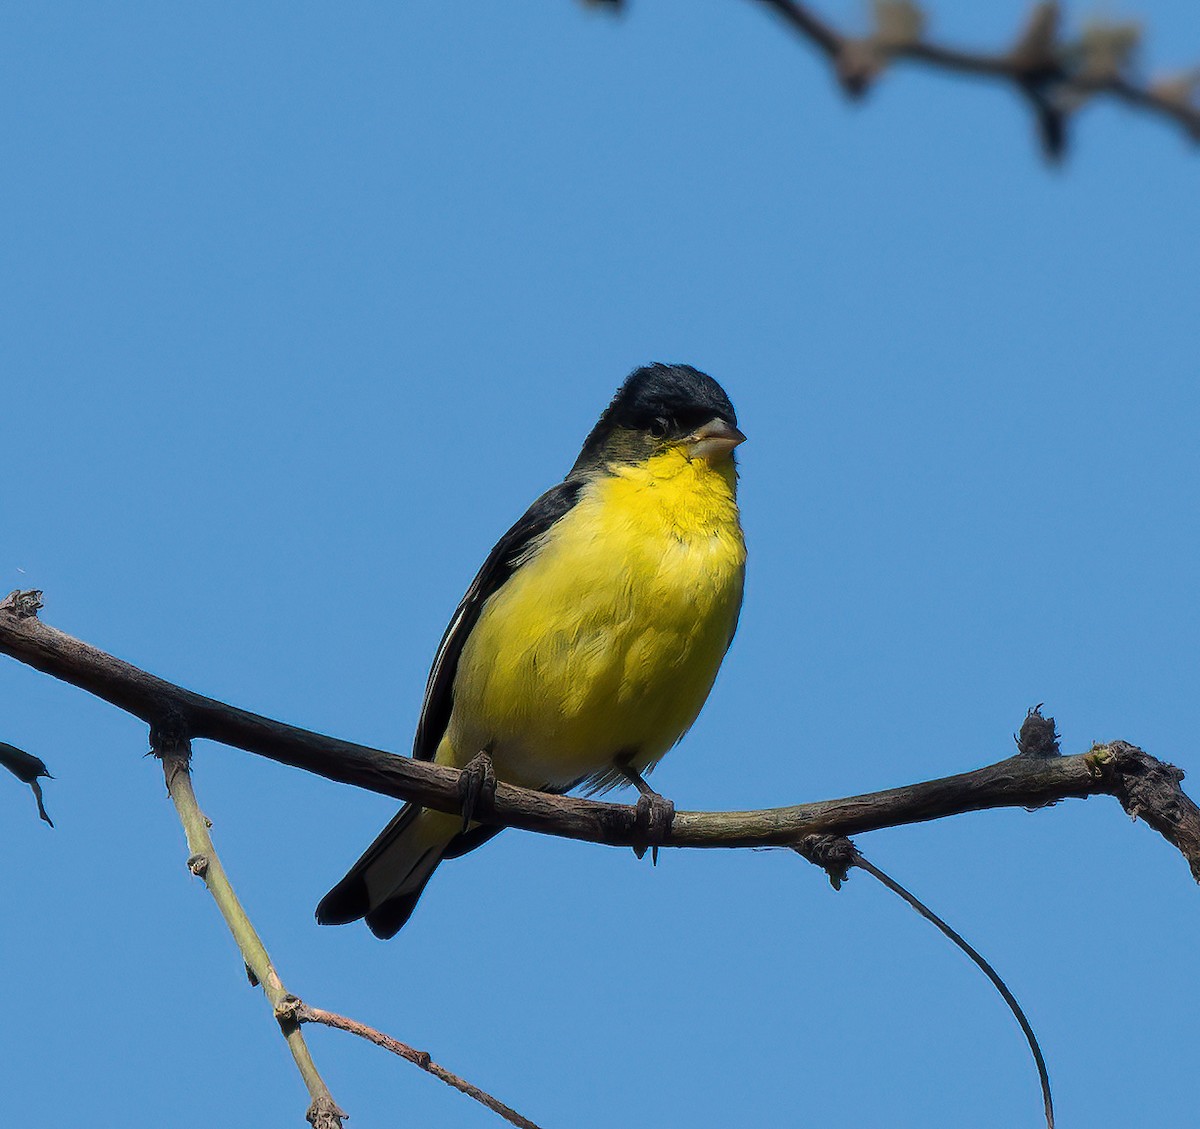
(1146,787)
(1057,74)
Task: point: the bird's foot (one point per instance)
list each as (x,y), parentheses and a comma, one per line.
(477,783)
(653,816)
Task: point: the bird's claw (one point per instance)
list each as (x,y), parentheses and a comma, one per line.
(653,817)
(476,783)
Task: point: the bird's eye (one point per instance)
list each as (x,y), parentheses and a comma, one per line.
(659,427)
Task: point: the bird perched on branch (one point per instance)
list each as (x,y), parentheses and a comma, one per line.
(589,640)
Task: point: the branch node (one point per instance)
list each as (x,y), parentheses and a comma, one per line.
(22,604)
(324,1113)
(1037,737)
(857,64)
(834,854)
(1099,760)
(898,24)
(198,865)
(1106,49)
(289,1011)
(170,734)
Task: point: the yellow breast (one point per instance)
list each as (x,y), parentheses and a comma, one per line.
(608,638)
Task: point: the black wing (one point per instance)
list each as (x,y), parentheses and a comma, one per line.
(503,560)
(349,899)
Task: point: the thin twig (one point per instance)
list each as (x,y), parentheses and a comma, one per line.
(306,1014)
(836,855)
(26,767)
(323,1111)
(1147,787)
(982,965)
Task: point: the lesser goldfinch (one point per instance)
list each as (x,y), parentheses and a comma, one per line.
(589,640)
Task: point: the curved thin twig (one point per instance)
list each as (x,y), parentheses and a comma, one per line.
(982,965)
(837,855)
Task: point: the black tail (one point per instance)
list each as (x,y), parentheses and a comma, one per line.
(385,884)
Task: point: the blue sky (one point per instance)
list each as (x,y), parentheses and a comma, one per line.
(304,304)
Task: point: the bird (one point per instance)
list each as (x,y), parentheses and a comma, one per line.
(588,642)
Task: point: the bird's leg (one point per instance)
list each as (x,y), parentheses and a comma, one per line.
(655,813)
(477,782)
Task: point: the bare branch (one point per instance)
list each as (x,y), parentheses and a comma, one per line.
(306,1014)
(1146,787)
(203,861)
(1055,75)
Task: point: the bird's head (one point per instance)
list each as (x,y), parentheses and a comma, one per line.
(658,408)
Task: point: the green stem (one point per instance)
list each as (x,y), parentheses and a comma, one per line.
(323,1112)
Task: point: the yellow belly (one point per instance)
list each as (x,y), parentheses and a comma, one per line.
(607,640)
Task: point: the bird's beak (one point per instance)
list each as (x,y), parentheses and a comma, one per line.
(714,441)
